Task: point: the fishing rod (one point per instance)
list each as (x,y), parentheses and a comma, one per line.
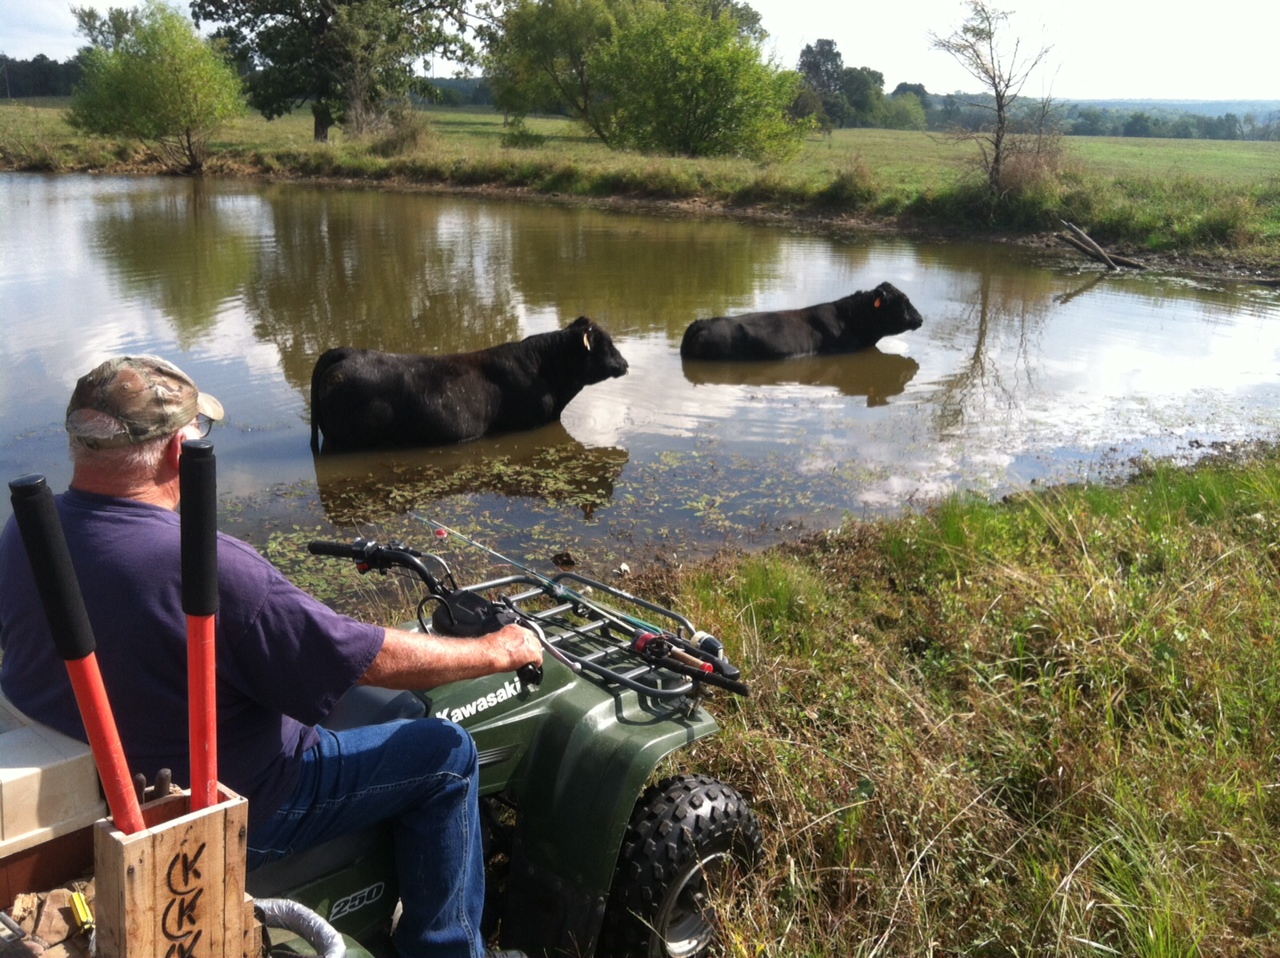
(656,645)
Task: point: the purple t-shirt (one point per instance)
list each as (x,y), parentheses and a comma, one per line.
(283,657)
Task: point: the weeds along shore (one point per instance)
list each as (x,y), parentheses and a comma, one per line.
(1045,726)
(1218,201)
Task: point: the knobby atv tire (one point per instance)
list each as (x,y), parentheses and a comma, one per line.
(687,834)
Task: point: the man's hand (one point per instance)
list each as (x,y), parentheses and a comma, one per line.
(516,646)
(421,660)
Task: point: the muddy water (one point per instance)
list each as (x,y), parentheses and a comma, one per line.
(1030,367)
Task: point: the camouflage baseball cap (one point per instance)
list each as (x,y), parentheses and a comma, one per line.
(131,399)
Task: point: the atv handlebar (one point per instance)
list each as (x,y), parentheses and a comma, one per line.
(465,611)
(470,614)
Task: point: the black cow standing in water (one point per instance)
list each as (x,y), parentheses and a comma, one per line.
(854,322)
(363,399)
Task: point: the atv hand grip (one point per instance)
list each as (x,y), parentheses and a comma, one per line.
(530,674)
(338,550)
(469,615)
(37,516)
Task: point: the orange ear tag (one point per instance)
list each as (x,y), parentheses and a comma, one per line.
(877,306)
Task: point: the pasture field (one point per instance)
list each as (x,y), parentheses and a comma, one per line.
(1215,198)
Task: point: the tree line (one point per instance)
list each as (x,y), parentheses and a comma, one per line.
(39,76)
(681,77)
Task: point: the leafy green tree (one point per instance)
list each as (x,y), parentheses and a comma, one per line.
(903,112)
(863,90)
(340,56)
(539,55)
(1092,121)
(691,84)
(161,84)
(821,66)
(107,31)
(979,46)
(918,89)
(747,19)
(38,76)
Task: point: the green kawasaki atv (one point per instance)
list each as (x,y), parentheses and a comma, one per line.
(586,854)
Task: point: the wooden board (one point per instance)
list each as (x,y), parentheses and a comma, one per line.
(175,889)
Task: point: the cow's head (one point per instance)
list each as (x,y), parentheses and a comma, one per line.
(600,358)
(883,311)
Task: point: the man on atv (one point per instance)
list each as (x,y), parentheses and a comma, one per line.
(284,659)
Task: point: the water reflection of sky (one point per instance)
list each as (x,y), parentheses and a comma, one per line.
(1027,368)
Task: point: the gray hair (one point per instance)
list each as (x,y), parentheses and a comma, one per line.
(136,459)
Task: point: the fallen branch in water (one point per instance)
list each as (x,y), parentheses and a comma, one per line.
(1081,240)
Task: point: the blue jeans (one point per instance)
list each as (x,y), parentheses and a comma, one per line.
(423,775)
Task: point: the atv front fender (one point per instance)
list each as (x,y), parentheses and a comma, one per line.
(574,756)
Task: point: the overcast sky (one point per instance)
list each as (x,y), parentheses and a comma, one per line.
(1101,49)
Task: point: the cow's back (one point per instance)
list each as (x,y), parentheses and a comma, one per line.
(769,335)
(363,398)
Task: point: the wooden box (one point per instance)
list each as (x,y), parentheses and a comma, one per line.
(175,889)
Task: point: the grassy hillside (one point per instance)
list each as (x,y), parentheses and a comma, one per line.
(1213,197)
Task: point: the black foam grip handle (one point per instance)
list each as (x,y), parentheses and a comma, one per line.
(37,516)
(530,674)
(197,477)
(338,550)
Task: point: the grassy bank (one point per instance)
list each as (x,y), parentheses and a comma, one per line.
(1044,726)
(1039,727)
(1218,198)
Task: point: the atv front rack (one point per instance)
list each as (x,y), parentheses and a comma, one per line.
(669,660)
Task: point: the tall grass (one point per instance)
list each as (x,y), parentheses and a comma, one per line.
(1037,727)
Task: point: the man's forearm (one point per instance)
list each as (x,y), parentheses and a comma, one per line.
(417,660)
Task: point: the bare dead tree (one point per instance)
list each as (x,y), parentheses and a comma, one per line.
(977,46)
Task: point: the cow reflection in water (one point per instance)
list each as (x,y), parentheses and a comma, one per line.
(870,372)
(546,463)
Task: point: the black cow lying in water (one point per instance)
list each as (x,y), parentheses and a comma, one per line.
(362,399)
(854,322)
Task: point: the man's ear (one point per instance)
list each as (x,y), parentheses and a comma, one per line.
(173,449)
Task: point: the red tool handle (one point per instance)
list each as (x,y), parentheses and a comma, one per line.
(198,484)
(36,514)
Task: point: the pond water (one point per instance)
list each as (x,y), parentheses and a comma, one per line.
(1030,367)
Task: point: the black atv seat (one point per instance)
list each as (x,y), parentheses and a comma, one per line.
(369,705)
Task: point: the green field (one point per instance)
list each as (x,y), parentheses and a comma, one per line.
(1219,198)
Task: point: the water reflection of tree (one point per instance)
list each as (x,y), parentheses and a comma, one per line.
(649,273)
(380,271)
(178,248)
(642,274)
(996,334)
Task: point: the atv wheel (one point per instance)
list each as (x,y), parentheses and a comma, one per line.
(687,834)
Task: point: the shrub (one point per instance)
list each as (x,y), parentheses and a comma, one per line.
(163,85)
